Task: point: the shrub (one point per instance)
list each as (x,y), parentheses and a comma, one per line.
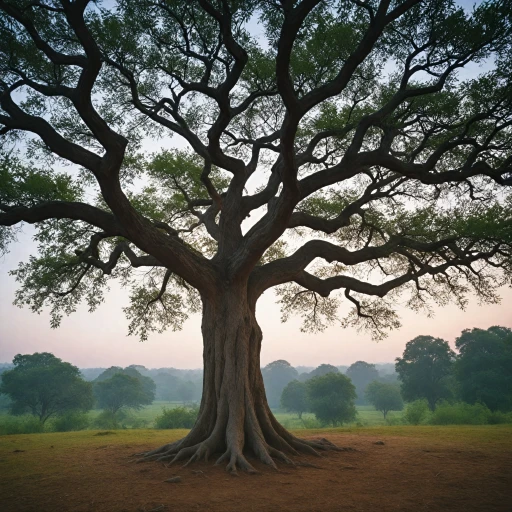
(179,417)
(416,412)
(498,417)
(108,420)
(311,423)
(460,413)
(26,424)
(71,421)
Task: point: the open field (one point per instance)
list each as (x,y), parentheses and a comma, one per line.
(367,416)
(418,468)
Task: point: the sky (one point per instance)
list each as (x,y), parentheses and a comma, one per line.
(100,339)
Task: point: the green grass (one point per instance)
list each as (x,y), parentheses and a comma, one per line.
(367,416)
(145,418)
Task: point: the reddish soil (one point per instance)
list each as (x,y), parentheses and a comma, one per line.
(405,474)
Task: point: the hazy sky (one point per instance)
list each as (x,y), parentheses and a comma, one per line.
(99,339)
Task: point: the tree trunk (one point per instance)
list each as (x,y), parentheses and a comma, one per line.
(234,418)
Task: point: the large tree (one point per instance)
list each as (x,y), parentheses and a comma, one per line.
(45,386)
(425,370)
(484,367)
(352,124)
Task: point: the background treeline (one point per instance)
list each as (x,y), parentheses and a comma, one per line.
(430,383)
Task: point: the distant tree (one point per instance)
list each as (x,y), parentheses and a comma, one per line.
(484,367)
(425,369)
(294,397)
(361,374)
(121,391)
(331,397)
(166,386)
(186,391)
(45,386)
(384,397)
(147,382)
(276,375)
(323,369)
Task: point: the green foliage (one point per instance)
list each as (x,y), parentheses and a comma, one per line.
(417,412)
(276,375)
(384,397)
(24,424)
(425,369)
(361,374)
(122,391)
(331,398)
(484,367)
(322,370)
(147,382)
(460,413)
(108,419)
(294,397)
(70,421)
(45,386)
(179,417)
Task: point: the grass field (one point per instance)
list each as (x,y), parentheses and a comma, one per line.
(466,469)
(366,416)
(145,417)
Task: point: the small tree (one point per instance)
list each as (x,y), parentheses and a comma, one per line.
(384,397)
(45,386)
(425,368)
(294,397)
(122,391)
(331,397)
(361,374)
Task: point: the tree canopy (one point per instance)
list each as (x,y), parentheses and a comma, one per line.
(339,151)
(45,386)
(484,367)
(361,374)
(121,391)
(294,397)
(354,121)
(331,397)
(276,375)
(384,397)
(425,368)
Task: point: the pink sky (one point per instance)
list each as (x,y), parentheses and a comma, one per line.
(99,339)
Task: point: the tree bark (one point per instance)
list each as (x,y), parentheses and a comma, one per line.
(234,418)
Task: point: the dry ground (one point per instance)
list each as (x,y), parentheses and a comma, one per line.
(417,469)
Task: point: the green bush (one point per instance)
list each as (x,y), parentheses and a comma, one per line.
(311,423)
(394,420)
(26,424)
(179,417)
(416,412)
(460,413)
(108,420)
(72,421)
(497,417)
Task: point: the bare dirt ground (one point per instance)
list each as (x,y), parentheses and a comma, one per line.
(406,473)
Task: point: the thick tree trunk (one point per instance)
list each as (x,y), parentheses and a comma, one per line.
(234,418)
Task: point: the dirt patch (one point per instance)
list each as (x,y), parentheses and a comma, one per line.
(404,473)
